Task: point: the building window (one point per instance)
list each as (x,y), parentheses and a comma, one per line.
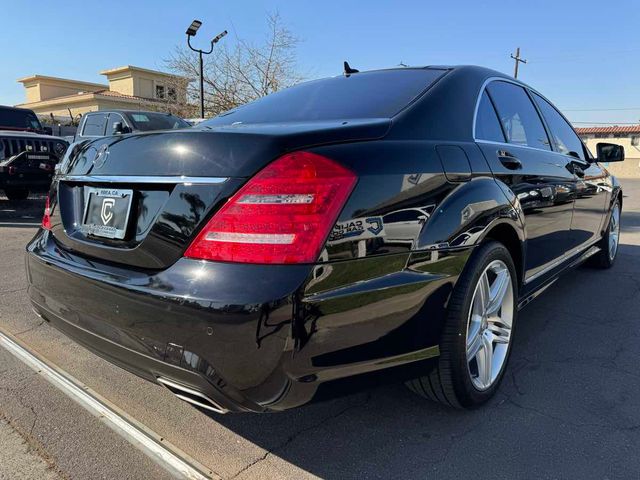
(160,91)
(620,135)
(172,94)
(602,135)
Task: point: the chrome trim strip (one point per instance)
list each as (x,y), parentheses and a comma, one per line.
(560,260)
(143,179)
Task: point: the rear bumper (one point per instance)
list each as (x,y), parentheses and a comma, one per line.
(248,337)
(150,368)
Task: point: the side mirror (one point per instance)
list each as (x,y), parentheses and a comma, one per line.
(609,152)
(118,128)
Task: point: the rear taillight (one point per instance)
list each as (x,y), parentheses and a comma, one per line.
(46,218)
(282,215)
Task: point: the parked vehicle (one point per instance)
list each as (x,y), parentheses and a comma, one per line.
(200,259)
(116,122)
(27,155)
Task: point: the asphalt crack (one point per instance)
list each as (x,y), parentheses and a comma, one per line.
(30,329)
(293,437)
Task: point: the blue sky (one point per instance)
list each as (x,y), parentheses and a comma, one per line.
(582,56)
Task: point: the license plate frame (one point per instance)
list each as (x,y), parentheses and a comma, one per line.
(106,212)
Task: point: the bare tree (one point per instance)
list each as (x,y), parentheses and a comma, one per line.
(243,71)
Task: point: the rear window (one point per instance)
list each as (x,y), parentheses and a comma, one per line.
(379,94)
(19,119)
(147,121)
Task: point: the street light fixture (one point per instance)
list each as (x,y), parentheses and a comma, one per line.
(191,32)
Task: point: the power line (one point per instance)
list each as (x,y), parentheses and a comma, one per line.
(599,109)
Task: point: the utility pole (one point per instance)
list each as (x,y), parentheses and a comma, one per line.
(518,61)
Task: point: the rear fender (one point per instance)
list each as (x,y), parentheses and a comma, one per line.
(468,214)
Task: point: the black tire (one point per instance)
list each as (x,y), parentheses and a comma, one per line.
(450,382)
(603,259)
(15,194)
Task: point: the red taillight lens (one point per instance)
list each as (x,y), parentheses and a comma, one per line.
(282,215)
(46,218)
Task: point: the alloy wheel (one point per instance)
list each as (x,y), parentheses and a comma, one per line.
(614,231)
(489,325)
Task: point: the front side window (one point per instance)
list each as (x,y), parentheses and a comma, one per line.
(487,123)
(564,138)
(94,125)
(520,120)
(113,119)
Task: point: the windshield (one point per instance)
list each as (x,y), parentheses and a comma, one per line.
(21,119)
(378,94)
(148,121)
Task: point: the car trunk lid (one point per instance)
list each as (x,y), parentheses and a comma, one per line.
(168,184)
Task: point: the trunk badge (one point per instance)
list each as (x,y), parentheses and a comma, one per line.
(101,156)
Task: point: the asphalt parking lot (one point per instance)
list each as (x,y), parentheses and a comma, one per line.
(569,406)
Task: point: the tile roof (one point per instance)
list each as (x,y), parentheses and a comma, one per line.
(111,93)
(611,129)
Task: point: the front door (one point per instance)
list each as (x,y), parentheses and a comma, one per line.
(592,186)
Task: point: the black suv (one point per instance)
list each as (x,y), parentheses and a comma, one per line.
(116,122)
(27,154)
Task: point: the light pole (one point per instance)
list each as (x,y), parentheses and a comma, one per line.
(191,32)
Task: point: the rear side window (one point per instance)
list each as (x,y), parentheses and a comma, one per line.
(519,118)
(94,125)
(379,94)
(564,138)
(148,121)
(487,123)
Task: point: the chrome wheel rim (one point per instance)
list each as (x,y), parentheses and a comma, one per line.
(489,325)
(614,231)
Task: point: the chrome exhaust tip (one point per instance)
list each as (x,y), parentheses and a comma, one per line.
(192,396)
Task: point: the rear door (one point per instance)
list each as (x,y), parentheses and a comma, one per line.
(514,141)
(93,126)
(591,182)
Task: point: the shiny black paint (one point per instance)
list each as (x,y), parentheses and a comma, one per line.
(262,337)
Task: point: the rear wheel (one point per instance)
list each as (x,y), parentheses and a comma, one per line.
(478,332)
(606,257)
(16,193)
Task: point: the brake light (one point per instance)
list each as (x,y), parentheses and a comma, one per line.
(46,218)
(282,215)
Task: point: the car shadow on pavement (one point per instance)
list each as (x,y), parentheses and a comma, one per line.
(567,408)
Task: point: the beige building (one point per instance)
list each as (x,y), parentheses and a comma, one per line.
(628,136)
(127,87)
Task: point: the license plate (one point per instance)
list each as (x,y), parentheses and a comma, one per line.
(106,212)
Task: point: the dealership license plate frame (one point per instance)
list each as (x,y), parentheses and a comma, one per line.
(98,226)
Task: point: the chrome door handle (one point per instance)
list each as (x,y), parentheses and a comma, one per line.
(509,160)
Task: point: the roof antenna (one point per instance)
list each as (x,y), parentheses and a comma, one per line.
(348,70)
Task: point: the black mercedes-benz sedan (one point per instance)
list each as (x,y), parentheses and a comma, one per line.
(375,226)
